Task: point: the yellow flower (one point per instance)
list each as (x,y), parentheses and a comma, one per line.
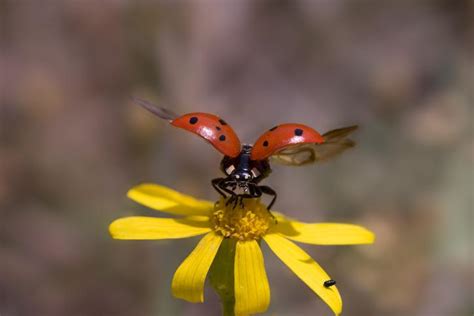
(247,225)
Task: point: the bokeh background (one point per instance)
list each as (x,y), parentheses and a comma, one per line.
(72,143)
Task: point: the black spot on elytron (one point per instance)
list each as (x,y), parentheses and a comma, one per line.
(298,132)
(218,128)
(222,138)
(329,283)
(193,120)
(273,128)
(265,143)
(222,122)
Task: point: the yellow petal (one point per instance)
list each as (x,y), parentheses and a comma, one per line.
(306,269)
(324,233)
(189,278)
(140,227)
(167,200)
(252,293)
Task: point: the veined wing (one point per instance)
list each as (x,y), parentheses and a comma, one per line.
(335,142)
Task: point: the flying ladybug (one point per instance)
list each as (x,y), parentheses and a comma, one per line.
(245,166)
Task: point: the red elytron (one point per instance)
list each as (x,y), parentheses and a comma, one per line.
(283,136)
(246,165)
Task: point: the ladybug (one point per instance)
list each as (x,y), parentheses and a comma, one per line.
(245,166)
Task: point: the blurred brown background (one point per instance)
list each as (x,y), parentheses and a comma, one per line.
(72,144)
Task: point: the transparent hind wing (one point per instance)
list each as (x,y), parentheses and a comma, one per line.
(339,133)
(158,111)
(335,143)
(296,155)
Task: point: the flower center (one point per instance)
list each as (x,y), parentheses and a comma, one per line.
(244,222)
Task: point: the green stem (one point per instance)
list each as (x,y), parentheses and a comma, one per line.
(221,275)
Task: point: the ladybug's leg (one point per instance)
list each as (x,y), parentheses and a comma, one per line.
(232,199)
(215,183)
(267,190)
(237,200)
(224,186)
(253,192)
(221,185)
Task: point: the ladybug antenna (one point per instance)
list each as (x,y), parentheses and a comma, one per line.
(158,111)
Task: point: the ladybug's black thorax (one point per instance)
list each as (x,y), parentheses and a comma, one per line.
(244,163)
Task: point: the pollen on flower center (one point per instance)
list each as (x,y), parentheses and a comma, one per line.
(244,222)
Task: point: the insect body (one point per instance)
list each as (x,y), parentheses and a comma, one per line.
(245,166)
(243,175)
(329,283)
